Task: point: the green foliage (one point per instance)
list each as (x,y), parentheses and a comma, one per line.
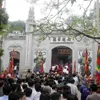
(16,26)
(1,1)
(3,19)
(98,55)
(72,25)
(1,52)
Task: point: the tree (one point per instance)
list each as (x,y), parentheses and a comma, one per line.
(16,26)
(80,26)
(1,3)
(3,24)
(3,19)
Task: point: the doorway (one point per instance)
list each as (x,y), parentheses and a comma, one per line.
(61,55)
(16,59)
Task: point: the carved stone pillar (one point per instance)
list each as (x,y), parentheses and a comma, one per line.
(28,49)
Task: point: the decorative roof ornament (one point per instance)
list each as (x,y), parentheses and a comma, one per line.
(31,17)
(32,1)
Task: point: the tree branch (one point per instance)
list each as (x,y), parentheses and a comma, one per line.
(82,33)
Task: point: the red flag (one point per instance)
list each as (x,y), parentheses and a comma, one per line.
(86,64)
(11,65)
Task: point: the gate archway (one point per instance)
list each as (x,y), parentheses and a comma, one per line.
(16,58)
(61,55)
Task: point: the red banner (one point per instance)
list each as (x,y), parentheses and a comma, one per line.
(11,64)
(86,64)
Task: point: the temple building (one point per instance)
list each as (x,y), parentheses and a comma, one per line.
(57,49)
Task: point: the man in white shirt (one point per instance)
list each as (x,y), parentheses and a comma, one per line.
(28,93)
(73,87)
(31,85)
(38,93)
(76,79)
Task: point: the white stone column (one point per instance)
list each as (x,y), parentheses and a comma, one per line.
(28,54)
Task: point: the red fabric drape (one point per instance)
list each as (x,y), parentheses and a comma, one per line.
(42,69)
(86,64)
(11,64)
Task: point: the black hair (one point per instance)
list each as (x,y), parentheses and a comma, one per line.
(44,96)
(13,96)
(54,86)
(32,76)
(24,86)
(29,70)
(71,80)
(21,94)
(10,81)
(6,89)
(93,87)
(28,92)
(66,90)
(1,83)
(16,88)
(37,87)
(55,96)
(71,97)
(74,75)
(19,81)
(30,83)
(46,90)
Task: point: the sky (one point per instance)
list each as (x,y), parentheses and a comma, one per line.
(18,9)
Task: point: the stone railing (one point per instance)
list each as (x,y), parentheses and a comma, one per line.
(16,37)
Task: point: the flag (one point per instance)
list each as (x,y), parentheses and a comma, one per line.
(11,64)
(97,75)
(86,64)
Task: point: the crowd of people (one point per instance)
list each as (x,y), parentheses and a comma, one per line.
(49,86)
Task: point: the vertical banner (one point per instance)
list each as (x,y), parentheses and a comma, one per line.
(98,65)
(11,64)
(86,66)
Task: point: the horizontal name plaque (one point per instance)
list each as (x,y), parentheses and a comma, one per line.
(61,40)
